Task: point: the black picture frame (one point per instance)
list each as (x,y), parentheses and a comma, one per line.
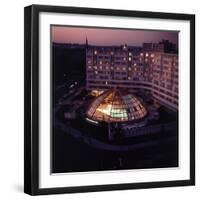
(31,98)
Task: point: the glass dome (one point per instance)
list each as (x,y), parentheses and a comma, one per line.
(116,106)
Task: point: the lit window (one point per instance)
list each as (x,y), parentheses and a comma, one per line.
(96,72)
(135,64)
(147,55)
(124,47)
(100,62)
(141,54)
(95,67)
(100,67)
(95,52)
(129,68)
(152,55)
(129,58)
(130,53)
(124,68)
(124,58)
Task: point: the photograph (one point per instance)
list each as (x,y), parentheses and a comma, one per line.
(114,98)
(109,99)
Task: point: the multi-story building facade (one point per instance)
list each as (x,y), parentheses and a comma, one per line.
(165,79)
(149,69)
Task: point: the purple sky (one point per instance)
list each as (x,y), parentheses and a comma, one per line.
(100,36)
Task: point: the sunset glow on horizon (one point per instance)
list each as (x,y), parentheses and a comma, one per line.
(108,36)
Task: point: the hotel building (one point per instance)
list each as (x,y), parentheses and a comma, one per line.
(152,68)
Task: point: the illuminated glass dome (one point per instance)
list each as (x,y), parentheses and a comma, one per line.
(116,106)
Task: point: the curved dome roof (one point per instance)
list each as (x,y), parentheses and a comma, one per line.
(116,106)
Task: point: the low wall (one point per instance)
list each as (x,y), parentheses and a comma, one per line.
(149,129)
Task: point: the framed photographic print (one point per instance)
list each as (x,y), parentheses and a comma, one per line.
(109,100)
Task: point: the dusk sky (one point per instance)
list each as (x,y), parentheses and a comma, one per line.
(100,36)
